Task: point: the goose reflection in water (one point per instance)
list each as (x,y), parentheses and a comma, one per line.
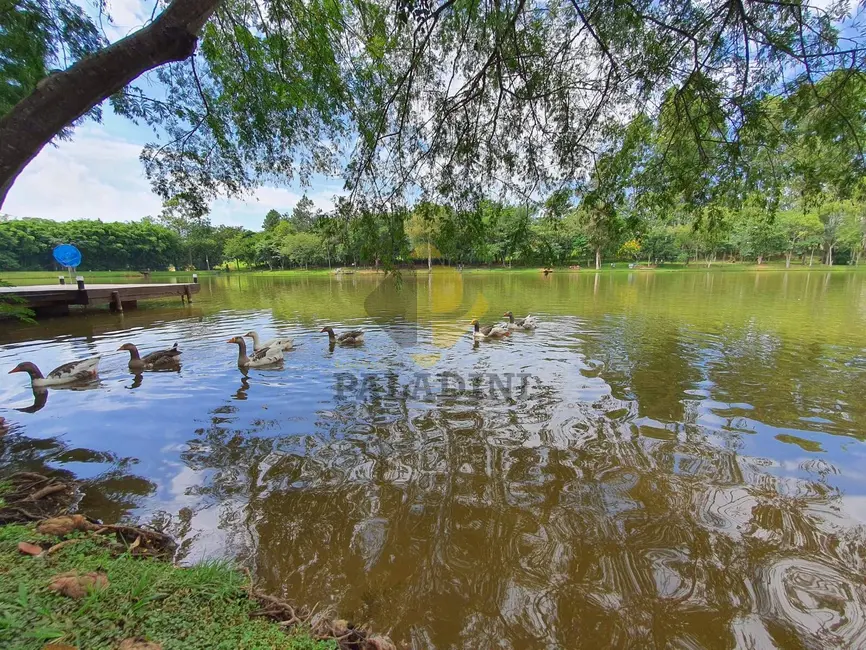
(40,394)
(40,398)
(138,374)
(241,393)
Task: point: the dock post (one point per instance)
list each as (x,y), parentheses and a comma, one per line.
(116,303)
(188,295)
(62,279)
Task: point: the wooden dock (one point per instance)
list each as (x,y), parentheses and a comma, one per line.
(55,299)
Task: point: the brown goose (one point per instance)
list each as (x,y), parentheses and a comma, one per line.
(158,360)
(68,373)
(528,323)
(283,344)
(483,333)
(259,358)
(352,337)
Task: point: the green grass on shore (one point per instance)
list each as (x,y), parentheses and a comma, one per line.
(623,267)
(50,277)
(197,608)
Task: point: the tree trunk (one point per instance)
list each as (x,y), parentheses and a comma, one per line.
(429,257)
(63,97)
(830,255)
(598,258)
(811,256)
(238,263)
(788,256)
(760,260)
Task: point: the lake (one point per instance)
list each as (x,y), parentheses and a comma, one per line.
(671,459)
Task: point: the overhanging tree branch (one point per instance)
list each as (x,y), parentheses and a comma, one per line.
(63,97)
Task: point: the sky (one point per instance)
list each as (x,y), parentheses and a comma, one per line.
(97,174)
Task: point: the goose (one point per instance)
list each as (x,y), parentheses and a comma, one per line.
(265,357)
(528,323)
(68,373)
(153,361)
(489,331)
(282,344)
(351,337)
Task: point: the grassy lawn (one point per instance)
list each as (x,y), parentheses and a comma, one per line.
(622,267)
(203,607)
(50,277)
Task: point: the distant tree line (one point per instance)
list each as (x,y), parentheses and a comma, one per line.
(27,244)
(556,233)
(148,244)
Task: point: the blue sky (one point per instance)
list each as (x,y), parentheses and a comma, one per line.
(97,175)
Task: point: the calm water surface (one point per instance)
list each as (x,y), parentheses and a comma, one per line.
(679,461)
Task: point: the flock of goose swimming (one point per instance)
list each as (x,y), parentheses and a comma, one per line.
(265,353)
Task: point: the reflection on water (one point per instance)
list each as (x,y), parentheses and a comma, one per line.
(681,467)
(40,399)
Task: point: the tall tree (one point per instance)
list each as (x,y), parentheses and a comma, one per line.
(302,248)
(304,214)
(423,227)
(832,216)
(241,248)
(758,234)
(802,231)
(272,219)
(190,221)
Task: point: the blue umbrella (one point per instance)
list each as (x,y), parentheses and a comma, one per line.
(67,255)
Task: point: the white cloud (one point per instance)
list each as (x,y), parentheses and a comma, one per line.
(93,177)
(99,176)
(126,17)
